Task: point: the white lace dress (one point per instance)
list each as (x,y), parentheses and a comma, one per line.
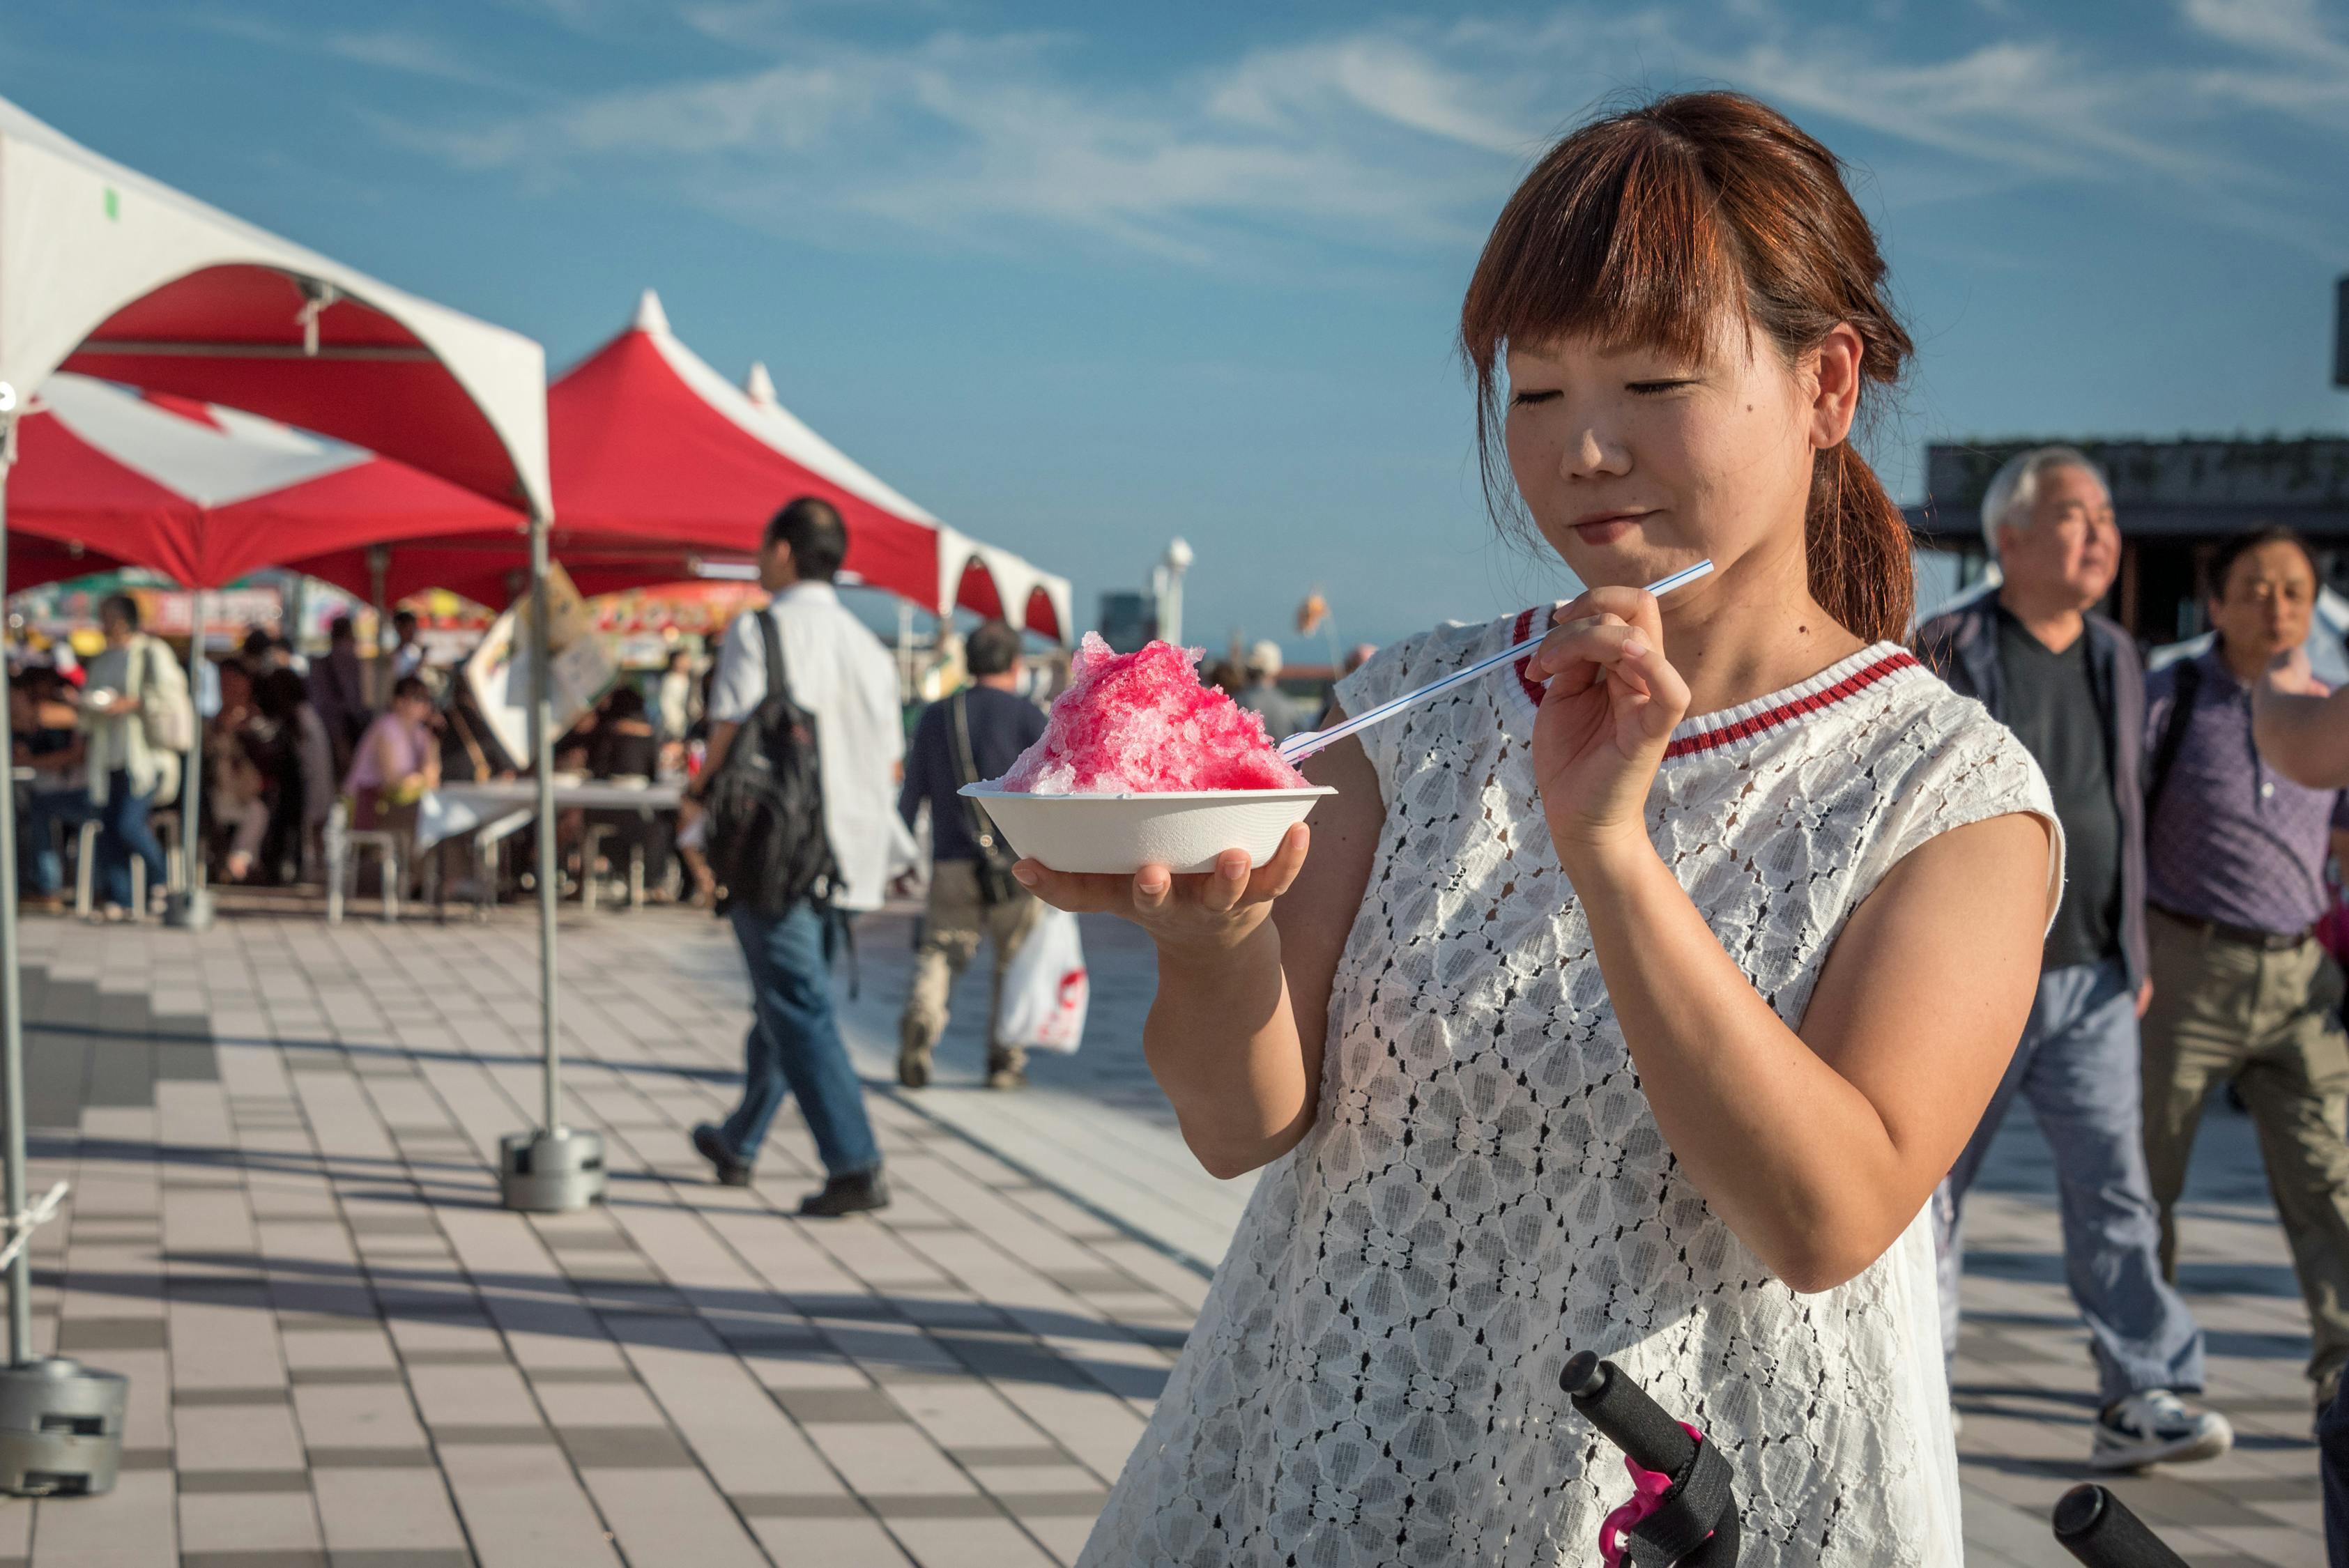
(1373,1380)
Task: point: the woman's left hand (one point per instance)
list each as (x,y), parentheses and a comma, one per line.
(1612,701)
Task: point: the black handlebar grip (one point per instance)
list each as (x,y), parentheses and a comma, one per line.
(2098,1528)
(1622,1409)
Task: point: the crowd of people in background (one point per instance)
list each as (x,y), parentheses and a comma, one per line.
(283,738)
(286,740)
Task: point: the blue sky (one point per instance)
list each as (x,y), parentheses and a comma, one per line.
(1081,277)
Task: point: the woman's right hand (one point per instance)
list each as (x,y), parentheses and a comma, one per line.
(1209,912)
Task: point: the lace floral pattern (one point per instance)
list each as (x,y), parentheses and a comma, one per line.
(1373,1380)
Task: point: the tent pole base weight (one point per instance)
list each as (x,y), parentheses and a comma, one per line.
(550,1172)
(189,911)
(60,1428)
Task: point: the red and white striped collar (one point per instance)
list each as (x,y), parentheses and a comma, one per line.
(1704,732)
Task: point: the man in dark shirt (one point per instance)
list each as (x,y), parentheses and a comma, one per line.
(975,734)
(2235,858)
(2068,683)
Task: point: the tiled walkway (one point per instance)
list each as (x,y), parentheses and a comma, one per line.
(342,1350)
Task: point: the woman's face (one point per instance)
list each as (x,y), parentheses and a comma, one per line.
(412,710)
(1635,463)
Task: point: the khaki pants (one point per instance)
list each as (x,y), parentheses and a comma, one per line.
(952,930)
(2225,1009)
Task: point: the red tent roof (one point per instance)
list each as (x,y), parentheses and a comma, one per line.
(646,438)
(659,463)
(203,494)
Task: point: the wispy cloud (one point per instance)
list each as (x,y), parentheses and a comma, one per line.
(2293,64)
(410,53)
(1294,90)
(1397,135)
(414,55)
(959,134)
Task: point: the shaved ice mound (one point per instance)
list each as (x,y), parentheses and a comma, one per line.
(1141,722)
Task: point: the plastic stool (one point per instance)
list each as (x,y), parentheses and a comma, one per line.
(342,845)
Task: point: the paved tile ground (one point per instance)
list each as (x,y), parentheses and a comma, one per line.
(284,1231)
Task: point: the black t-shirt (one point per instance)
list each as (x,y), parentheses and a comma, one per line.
(625,748)
(1002,726)
(2050,706)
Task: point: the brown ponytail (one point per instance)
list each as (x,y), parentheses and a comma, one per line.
(1857,543)
(1643,228)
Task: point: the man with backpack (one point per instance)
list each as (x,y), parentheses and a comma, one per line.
(804,743)
(975,734)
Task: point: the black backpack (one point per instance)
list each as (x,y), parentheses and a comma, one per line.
(767,843)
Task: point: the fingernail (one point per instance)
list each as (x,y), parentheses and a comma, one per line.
(1025,874)
(1633,647)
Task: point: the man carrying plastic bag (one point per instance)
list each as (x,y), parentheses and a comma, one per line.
(975,734)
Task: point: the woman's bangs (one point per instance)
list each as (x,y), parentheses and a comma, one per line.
(1621,247)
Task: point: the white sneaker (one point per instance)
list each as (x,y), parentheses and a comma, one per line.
(2156,1427)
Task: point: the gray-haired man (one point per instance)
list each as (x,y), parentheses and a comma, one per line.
(2069,683)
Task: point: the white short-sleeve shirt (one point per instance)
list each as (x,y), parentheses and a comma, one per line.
(839,672)
(1373,1378)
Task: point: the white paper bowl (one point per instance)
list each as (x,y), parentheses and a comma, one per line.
(1182,830)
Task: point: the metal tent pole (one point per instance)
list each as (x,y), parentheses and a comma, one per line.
(60,1422)
(191,908)
(555,1168)
(542,761)
(12,1028)
(379,562)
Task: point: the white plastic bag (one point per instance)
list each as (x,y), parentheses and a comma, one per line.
(1046,990)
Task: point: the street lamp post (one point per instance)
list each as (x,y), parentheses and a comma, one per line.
(1167,580)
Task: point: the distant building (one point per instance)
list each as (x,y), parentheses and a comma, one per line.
(2175,499)
(1128,620)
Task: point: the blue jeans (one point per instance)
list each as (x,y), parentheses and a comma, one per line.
(45,866)
(2078,1064)
(122,832)
(794,1043)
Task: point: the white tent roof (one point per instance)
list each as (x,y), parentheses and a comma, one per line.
(215,456)
(82,237)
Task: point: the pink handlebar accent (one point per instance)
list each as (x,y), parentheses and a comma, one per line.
(1648,1489)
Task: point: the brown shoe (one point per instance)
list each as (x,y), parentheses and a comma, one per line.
(1007,1070)
(914,1068)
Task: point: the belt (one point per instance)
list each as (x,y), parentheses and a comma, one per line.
(2243,935)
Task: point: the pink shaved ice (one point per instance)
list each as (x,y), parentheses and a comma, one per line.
(1142,721)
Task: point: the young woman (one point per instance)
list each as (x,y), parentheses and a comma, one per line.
(1635,1002)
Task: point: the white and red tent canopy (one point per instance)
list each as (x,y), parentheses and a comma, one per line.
(107,477)
(204,494)
(107,271)
(648,441)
